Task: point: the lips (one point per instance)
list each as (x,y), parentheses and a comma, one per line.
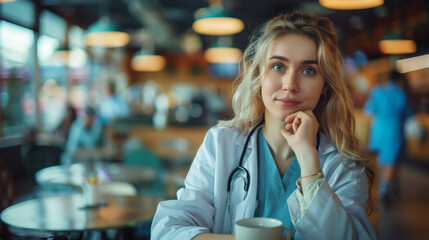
(287,102)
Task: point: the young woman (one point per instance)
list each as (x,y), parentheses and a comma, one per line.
(290,152)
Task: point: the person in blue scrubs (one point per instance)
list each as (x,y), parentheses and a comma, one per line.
(389,106)
(86,132)
(303,160)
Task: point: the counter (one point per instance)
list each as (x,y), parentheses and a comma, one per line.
(171,143)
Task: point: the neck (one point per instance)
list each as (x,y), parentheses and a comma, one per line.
(278,145)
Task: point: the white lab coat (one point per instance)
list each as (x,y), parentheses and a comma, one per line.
(337,211)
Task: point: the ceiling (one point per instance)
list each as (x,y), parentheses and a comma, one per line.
(169,20)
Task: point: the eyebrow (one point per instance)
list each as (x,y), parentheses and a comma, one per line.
(287,60)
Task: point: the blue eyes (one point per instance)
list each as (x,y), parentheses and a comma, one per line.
(278,67)
(306,71)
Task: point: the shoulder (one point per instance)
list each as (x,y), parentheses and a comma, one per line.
(221,139)
(328,153)
(385,88)
(221,132)
(377,88)
(331,163)
(326,145)
(329,150)
(76,124)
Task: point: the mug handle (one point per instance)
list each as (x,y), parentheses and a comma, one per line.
(288,236)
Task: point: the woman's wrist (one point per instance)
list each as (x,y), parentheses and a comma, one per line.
(307,157)
(307,178)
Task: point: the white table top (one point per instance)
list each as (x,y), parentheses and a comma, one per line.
(73,175)
(64,213)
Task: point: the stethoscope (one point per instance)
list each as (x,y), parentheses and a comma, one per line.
(240,168)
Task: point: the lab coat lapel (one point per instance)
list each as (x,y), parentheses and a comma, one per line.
(246,208)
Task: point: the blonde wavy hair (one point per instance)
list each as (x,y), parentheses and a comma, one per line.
(334,109)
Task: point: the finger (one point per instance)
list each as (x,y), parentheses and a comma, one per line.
(288,127)
(296,123)
(286,134)
(290,118)
(309,112)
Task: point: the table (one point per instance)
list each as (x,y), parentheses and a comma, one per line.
(65,213)
(73,175)
(106,153)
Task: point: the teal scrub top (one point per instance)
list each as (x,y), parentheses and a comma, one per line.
(389,106)
(274,191)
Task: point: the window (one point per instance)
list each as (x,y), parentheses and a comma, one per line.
(16,91)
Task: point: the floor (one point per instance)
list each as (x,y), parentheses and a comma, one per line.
(408,215)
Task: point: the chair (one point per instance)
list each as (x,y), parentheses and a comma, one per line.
(7,190)
(145,158)
(7,193)
(38,157)
(7,197)
(41,156)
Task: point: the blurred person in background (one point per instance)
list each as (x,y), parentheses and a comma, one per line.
(389,106)
(289,153)
(112,107)
(62,131)
(86,132)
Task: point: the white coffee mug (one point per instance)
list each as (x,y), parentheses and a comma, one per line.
(261,228)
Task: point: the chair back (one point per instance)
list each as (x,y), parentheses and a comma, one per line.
(7,187)
(42,156)
(7,194)
(7,197)
(145,158)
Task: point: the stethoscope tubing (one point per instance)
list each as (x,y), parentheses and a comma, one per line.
(240,164)
(242,168)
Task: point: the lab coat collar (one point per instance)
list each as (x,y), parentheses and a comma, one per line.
(242,139)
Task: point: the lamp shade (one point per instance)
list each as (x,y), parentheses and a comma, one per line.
(62,55)
(104,33)
(396,44)
(222,55)
(216,21)
(350,4)
(142,62)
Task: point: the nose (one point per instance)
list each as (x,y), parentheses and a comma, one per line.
(290,82)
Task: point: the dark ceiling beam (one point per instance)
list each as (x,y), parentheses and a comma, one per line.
(47,3)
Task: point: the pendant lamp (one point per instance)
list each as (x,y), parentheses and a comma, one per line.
(223,52)
(104,33)
(63,52)
(395,44)
(215,20)
(350,4)
(71,57)
(222,55)
(145,62)
(62,55)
